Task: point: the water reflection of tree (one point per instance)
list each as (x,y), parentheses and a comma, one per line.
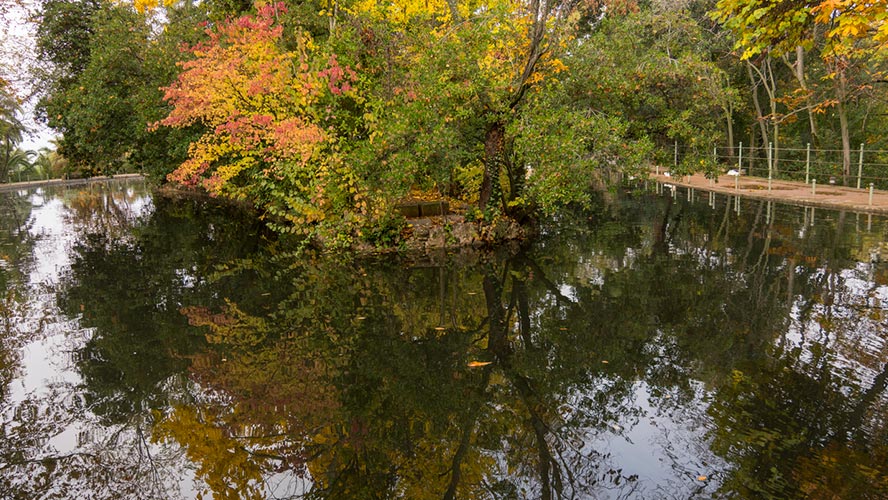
(538,341)
(108,209)
(125,285)
(355,379)
(30,466)
(310,377)
(795,417)
(16,243)
(107,462)
(794,435)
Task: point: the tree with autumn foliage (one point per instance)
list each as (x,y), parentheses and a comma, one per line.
(267,114)
(317,143)
(847,36)
(468,85)
(325,126)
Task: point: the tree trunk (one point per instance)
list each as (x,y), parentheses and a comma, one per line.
(729,118)
(494,146)
(800,75)
(798,69)
(841,87)
(772,99)
(766,77)
(7,152)
(758,106)
(846,143)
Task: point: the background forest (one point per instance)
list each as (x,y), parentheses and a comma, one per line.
(324,113)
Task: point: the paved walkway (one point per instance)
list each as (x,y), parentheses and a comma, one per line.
(797,193)
(15,186)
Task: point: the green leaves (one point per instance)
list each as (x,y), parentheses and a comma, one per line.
(765,26)
(102,87)
(778,27)
(643,81)
(11,131)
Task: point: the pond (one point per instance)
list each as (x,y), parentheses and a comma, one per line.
(652,347)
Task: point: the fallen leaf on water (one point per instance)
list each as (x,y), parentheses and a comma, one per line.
(702,478)
(563,329)
(476,364)
(440,328)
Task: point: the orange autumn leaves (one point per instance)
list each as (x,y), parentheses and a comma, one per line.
(323,151)
(256,102)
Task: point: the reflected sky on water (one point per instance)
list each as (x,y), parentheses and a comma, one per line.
(651,347)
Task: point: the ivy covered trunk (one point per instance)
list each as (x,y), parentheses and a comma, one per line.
(494,151)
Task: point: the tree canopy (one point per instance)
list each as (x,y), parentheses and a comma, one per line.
(325,115)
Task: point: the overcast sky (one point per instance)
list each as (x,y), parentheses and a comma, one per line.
(16,56)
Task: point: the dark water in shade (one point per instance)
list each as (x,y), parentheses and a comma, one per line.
(650,348)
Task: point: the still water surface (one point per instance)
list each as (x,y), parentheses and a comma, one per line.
(650,348)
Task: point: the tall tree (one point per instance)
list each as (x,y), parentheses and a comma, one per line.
(852,33)
(464,78)
(104,66)
(11,129)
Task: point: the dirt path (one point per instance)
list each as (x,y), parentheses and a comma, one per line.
(15,186)
(797,193)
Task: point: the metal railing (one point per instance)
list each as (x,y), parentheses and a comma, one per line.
(868,166)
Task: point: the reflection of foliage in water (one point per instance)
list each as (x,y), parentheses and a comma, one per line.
(369,363)
(16,244)
(100,208)
(30,464)
(124,285)
(801,413)
(355,379)
(130,290)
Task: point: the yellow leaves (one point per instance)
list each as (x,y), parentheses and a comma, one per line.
(557,66)
(143,6)
(401,12)
(762,27)
(326,436)
(504,57)
(231,327)
(228,171)
(222,462)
